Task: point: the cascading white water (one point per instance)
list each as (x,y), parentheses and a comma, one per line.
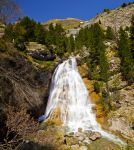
(69,93)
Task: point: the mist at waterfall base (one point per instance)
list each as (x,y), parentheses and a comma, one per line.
(68,92)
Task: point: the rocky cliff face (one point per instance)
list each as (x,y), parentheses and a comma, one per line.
(22,83)
(121,116)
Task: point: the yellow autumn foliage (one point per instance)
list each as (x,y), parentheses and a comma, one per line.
(89,85)
(54,118)
(83,70)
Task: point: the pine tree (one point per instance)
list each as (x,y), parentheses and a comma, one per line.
(132,36)
(39,33)
(109,33)
(127,67)
(104,67)
(72,43)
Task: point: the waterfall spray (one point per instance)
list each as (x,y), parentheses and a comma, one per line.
(68,92)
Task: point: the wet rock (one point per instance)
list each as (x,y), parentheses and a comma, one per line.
(94,136)
(79,129)
(87,141)
(81,138)
(80,134)
(71,134)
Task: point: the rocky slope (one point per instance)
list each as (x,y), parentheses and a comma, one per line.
(23,82)
(68,23)
(120,118)
(113,18)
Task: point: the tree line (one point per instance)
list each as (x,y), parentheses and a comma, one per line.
(28,30)
(93,37)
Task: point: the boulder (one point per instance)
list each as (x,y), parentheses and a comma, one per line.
(39,51)
(75,147)
(80,138)
(41,55)
(71,141)
(94,136)
(79,129)
(87,141)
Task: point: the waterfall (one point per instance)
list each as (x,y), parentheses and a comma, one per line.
(68,92)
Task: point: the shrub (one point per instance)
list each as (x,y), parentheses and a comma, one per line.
(124,5)
(106,10)
(96,87)
(109,33)
(20,126)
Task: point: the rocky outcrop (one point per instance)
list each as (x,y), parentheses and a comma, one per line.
(122,119)
(56,137)
(22,84)
(39,51)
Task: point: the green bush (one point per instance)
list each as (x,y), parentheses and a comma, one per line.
(124,5)
(106,105)
(106,10)
(125,54)
(130,147)
(96,87)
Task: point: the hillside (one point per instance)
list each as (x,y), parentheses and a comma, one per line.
(120,17)
(65,23)
(29,54)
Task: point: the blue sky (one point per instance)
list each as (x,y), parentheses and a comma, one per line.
(43,10)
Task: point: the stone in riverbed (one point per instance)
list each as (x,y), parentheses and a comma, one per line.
(94,136)
(87,141)
(80,138)
(79,129)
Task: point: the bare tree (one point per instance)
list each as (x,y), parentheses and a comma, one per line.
(9,11)
(20,127)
